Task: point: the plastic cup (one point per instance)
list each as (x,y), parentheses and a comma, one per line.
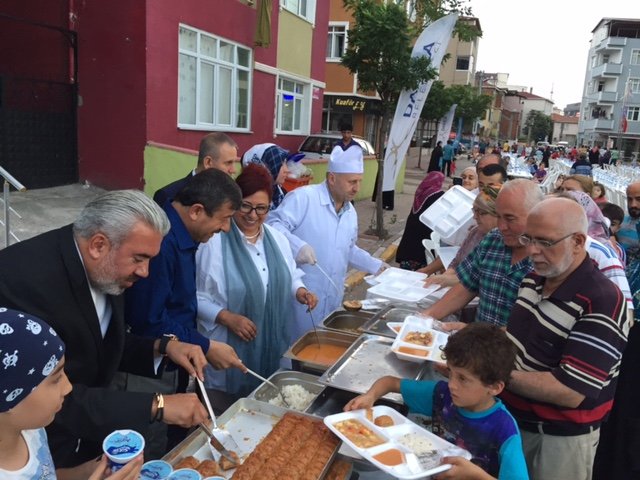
(122,446)
(156,470)
(185,474)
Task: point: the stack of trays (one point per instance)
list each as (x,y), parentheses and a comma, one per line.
(402,448)
(450,212)
(401,286)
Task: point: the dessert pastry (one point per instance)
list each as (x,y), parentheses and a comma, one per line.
(187,462)
(208,468)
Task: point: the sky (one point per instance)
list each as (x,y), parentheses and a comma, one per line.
(543,44)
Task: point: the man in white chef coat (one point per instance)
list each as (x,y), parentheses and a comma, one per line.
(322,227)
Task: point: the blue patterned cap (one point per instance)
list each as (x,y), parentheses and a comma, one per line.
(29,351)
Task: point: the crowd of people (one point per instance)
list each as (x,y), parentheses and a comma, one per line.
(215,276)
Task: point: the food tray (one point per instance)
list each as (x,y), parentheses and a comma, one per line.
(265,392)
(369,358)
(402,291)
(432,352)
(392,313)
(348,322)
(414,466)
(327,337)
(248,421)
(450,212)
(393,274)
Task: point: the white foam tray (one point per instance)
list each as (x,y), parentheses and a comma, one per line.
(450,212)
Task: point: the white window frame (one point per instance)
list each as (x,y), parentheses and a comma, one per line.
(305,9)
(634,85)
(633,114)
(305,103)
(331,36)
(217,63)
(635,56)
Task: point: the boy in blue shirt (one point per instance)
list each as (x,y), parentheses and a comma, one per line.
(465,409)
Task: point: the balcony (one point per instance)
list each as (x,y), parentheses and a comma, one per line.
(597,124)
(607,97)
(606,69)
(611,43)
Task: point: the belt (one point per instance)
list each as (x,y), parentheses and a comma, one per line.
(557,430)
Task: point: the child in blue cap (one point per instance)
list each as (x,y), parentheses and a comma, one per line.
(32,388)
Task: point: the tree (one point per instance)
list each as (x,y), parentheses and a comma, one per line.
(470,104)
(379,52)
(538,126)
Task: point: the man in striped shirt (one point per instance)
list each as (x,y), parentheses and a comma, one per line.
(569,326)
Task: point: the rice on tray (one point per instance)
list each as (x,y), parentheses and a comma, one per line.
(296,396)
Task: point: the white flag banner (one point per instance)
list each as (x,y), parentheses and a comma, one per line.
(433,42)
(444,127)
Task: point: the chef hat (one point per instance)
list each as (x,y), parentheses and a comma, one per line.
(346,161)
(29,351)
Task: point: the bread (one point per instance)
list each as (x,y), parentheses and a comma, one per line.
(384,421)
(208,468)
(226,464)
(352,305)
(298,448)
(187,462)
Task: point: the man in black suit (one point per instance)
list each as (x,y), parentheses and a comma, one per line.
(217,150)
(72,278)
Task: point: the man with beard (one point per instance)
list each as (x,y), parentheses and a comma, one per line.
(72,278)
(569,327)
(628,233)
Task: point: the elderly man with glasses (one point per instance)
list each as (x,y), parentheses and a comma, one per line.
(570,328)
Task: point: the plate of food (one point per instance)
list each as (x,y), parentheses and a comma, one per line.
(392,442)
(417,341)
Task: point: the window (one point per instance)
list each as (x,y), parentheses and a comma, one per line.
(336,40)
(303,8)
(635,57)
(214,81)
(462,63)
(634,85)
(292,106)
(633,114)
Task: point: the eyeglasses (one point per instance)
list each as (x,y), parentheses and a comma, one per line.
(480,213)
(526,240)
(248,208)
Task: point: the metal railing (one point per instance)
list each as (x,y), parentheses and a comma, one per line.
(9,180)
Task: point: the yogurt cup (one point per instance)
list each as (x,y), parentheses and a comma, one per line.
(185,474)
(156,470)
(122,446)
(214,478)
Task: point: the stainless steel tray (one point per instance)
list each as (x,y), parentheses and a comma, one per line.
(324,337)
(265,392)
(249,421)
(395,312)
(369,358)
(349,322)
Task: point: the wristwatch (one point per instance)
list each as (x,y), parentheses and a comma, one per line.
(164,341)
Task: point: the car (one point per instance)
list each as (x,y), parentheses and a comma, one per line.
(319,145)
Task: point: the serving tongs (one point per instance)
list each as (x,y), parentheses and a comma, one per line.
(213,434)
(271,384)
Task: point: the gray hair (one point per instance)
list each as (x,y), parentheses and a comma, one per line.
(529,191)
(115,213)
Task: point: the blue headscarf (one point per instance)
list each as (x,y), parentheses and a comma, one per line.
(270,310)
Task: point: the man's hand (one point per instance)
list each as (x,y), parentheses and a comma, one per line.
(305,297)
(306,255)
(188,356)
(452,326)
(382,268)
(238,324)
(222,356)
(184,409)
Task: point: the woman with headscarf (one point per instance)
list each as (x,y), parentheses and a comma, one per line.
(274,159)
(469,178)
(486,217)
(246,279)
(434,162)
(410,254)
